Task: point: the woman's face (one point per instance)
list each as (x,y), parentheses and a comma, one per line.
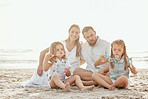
(74,33)
(118,50)
(59,50)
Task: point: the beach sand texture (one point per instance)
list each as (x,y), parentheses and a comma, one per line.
(11,89)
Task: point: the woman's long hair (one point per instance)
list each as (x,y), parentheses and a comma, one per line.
(78,45)
(52,50)
(120,42)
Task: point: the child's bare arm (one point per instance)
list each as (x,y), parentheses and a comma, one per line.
(67,71)
(82,61)
(102,60)
(104,70)
(133,69)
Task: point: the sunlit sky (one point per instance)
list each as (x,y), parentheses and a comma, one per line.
(35,24)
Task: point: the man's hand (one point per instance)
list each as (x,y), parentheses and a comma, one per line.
(40,70)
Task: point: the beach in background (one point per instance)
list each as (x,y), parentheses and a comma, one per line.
(28,58)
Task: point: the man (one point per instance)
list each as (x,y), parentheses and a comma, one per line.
(90,52)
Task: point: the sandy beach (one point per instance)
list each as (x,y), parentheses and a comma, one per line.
(11,89)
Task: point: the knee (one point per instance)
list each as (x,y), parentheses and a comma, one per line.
(55,77)
(94,75)
(76,76)
(124,80)
(76,71)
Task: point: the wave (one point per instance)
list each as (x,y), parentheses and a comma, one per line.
(15,50)
(17,61)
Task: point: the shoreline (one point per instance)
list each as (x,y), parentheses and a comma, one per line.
(10,88)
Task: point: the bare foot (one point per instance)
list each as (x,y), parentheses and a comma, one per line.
(111,87)
(67,87)
(87,88)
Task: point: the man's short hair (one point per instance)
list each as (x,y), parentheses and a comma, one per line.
(85,29)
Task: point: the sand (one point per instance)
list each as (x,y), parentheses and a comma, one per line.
(11,89)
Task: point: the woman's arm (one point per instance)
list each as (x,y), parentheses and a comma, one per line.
(47,65)
(102,60)
(41,58)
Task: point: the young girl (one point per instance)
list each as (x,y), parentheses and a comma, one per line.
(58,65)
(119,67)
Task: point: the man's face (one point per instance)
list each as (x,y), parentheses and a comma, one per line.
(90,37)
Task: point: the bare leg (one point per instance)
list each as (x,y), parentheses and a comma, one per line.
(79,83)
(103,80)
(84,74)
(121,82)
(56,82)
(88,83)
(107,74)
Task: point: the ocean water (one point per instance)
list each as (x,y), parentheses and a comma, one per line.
(28,58)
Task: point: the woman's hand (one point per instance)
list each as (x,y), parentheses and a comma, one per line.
(40,70)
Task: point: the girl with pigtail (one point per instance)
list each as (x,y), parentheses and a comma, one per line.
(119,67)
(57,65)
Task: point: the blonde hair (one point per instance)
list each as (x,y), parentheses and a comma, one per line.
(120,42)
(85,29)
(52,50)
(78,45)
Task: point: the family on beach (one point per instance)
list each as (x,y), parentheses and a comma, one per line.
(59,65)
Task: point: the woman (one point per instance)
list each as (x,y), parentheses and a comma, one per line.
(72,47)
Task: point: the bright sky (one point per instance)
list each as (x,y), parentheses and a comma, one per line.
(37,23)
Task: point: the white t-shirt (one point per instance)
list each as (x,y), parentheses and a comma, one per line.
(72,59)
(91,53)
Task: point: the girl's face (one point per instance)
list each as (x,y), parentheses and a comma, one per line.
(118,50)
(74,33)
(59,51)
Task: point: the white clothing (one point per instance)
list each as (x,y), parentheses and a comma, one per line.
(37,80)
(91,53)
(72,59)
(58,68)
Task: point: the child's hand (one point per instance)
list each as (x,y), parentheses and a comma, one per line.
(49,58)
(50,55)
(102,59)
(67,71)
(100,72)
(133,69)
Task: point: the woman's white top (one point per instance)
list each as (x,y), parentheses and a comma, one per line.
(72,59)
